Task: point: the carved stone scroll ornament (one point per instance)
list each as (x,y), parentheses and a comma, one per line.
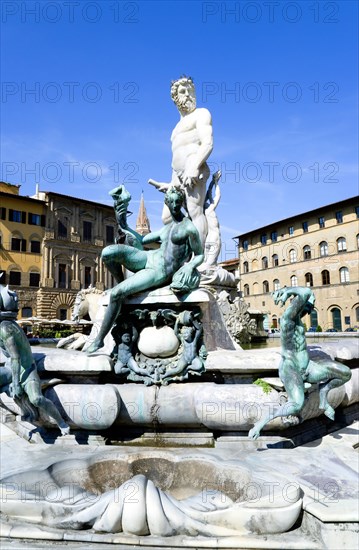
(159,346)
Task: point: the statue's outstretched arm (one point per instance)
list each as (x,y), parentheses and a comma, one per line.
(161,186)
(302,295)
(153,237)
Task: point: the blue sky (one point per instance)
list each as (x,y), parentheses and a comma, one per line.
(280,79)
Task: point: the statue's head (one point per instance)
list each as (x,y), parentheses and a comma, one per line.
(183,94)
(174,199)
(8,299)
(126,338)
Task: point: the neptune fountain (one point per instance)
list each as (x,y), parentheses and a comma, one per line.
(158,430)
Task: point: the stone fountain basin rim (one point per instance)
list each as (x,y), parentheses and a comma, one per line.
(132,458)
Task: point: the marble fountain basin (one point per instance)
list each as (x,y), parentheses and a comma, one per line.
(147,493)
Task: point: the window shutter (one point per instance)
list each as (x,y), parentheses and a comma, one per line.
(23,245)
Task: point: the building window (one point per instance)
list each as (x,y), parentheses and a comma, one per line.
(323,248)
(264,238)
(62,314)
(35,219)
(2,213)
(321,221)
(276,284)
(246,290)
(2,277)
(18,245)
(245,245)
(265,262)
(357,314)
(356,211)
(308,279)
(344,275)
(336,318)
(35,246)
(62,276)
(292,255)
(255,288)
(245,267)
(341,244)
(35,279)
(17,216)
(314,318)
(26,312)
(61,230)
(15,278)
(275,260)
(274,236)
(293,280)
(291,230)
(110,234)
(339,216)
(87,231)
(325,277)
(305,227)
(87,277)
(307,253)
(265,287)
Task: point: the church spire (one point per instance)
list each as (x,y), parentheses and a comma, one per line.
(142,223)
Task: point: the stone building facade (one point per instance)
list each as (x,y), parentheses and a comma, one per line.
(51,248)
(320,249)
(76,232)
(22,230)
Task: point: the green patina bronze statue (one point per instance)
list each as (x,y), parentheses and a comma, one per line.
(25,379)
(180,243)
(295,367)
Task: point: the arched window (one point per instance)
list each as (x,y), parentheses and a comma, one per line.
(344,275)
(336,318)
(314,318)
(294,280)
(254,265)
(35,246)
(265,287)
(264,262)
(357,314)
(341,244)
(15,278)
(245,267)
(323,248)
(63,312)
(255,288)
(246,290)
(358,240)
(325,277)
(292,255)
(26,312)
(307,253)
(275,260)
(276,284)
(308,279)
(18,244)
